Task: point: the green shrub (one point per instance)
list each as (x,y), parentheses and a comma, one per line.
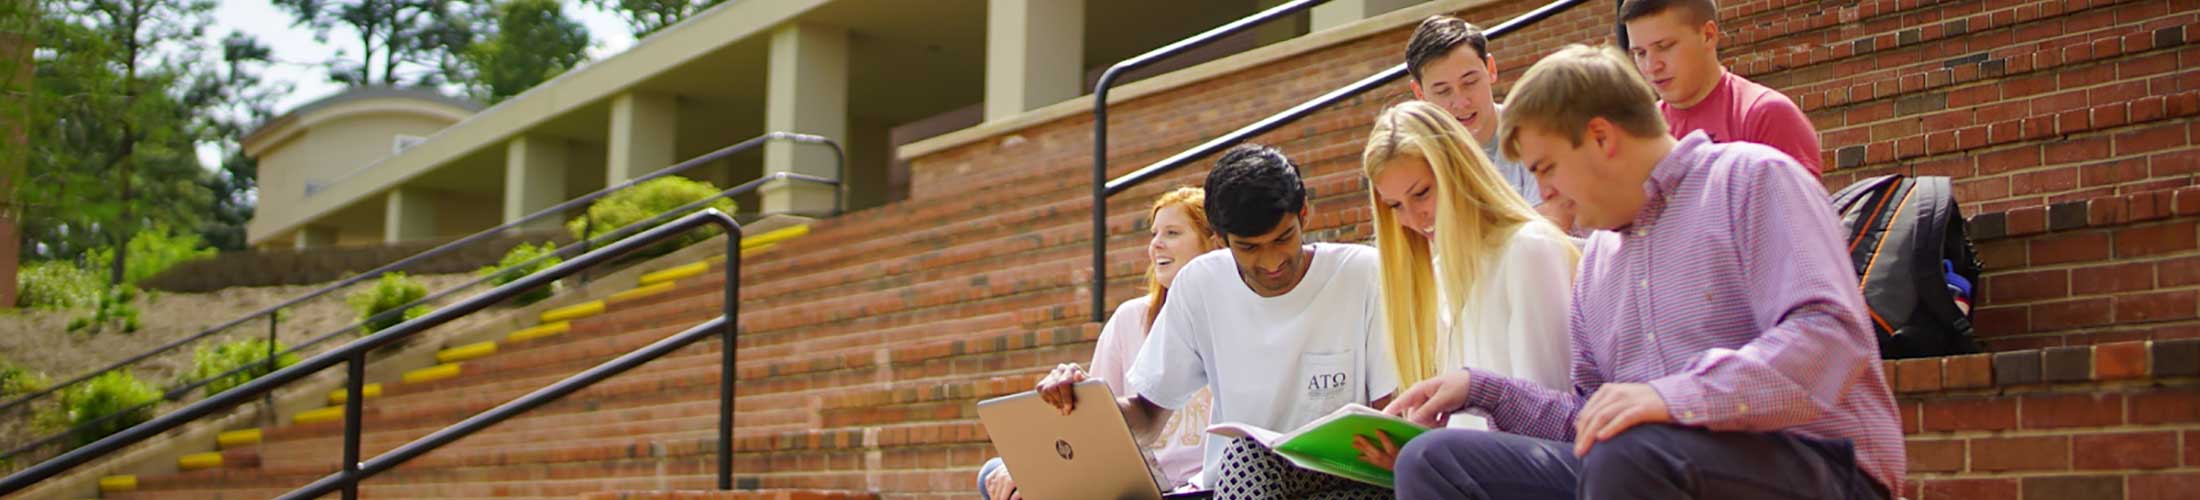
(153,251)
(394,290)
(110,393)
(643,201)
(56,285)
(16,380)
(248,353)
(116,309)
(512,269)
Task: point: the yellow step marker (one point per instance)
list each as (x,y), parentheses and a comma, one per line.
(573,312)
(432,373)
(752,251)
(539,331)
(465,352)
(196,461)
(232,439)
(675,273)
(117,484)
(775,236)
(329,414)
(640,292)
(339,396)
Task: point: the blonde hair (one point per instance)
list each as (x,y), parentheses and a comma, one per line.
(1562,92)
(1193,200)
(1476,213)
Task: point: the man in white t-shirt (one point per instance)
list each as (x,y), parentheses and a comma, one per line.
(1283,332)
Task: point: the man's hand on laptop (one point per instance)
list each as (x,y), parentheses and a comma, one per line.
(1060,387)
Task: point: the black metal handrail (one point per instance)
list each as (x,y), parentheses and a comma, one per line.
(178,393)
(354,354)
(1102,187)
(1100,125)
(485,234)
(839,171)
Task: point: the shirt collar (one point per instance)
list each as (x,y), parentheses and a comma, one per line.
(1670,172)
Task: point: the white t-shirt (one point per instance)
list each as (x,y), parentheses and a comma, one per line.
(1515,321)
(1274,362)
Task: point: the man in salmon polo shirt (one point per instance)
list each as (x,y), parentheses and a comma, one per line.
(1675,43)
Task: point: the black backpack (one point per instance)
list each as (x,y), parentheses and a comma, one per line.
(1906,237)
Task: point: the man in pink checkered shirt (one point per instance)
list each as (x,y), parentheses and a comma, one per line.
(1718,338)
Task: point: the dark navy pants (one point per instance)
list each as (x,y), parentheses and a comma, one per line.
(1656,461)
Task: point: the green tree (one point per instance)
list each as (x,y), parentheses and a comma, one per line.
(531,42)
(648,16)
(115,150)
(234,184)
(392,34)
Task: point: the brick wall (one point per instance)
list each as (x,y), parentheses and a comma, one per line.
(2110,421)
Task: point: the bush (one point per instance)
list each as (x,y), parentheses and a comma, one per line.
(512,269)
(17,380)
(643,201)
(248,353)
(153,251)
(394,290)
(116,310)
(109,393)
(56,285)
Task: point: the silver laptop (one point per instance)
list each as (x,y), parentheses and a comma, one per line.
(1087,454)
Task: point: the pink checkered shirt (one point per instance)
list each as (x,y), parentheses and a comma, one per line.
(1732,295)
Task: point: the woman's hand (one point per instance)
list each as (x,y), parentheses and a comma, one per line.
(1000,486)
(1059,388)
(1381,452)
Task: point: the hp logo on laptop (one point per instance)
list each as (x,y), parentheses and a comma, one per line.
(1061,447)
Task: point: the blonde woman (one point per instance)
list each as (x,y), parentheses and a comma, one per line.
(1180,232)
(1472,276)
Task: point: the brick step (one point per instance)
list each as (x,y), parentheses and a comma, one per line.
(2093,421)
(2106,270)
(1051,242)
(1810,25)
(320,449)
(1845,51)
(698,369)
(732,495)
(1071,204)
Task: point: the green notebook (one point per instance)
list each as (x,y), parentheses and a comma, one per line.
(1325,445)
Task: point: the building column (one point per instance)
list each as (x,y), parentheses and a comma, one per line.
(1342,12)
(534,178)
(643,126)
(408,213)
(807,92)
(1034,54)
(316,237)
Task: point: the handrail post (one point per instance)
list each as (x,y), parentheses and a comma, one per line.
(355,389)
(731,309)
(268,400)
(1100,197)
(1100,129)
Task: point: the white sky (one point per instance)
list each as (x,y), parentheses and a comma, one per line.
(300,60)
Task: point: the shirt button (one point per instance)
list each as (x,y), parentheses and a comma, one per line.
(1688,415)
(1741,409)
(1645,283)
(1641,232)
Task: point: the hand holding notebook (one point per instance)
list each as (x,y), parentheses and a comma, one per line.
(1325,445)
